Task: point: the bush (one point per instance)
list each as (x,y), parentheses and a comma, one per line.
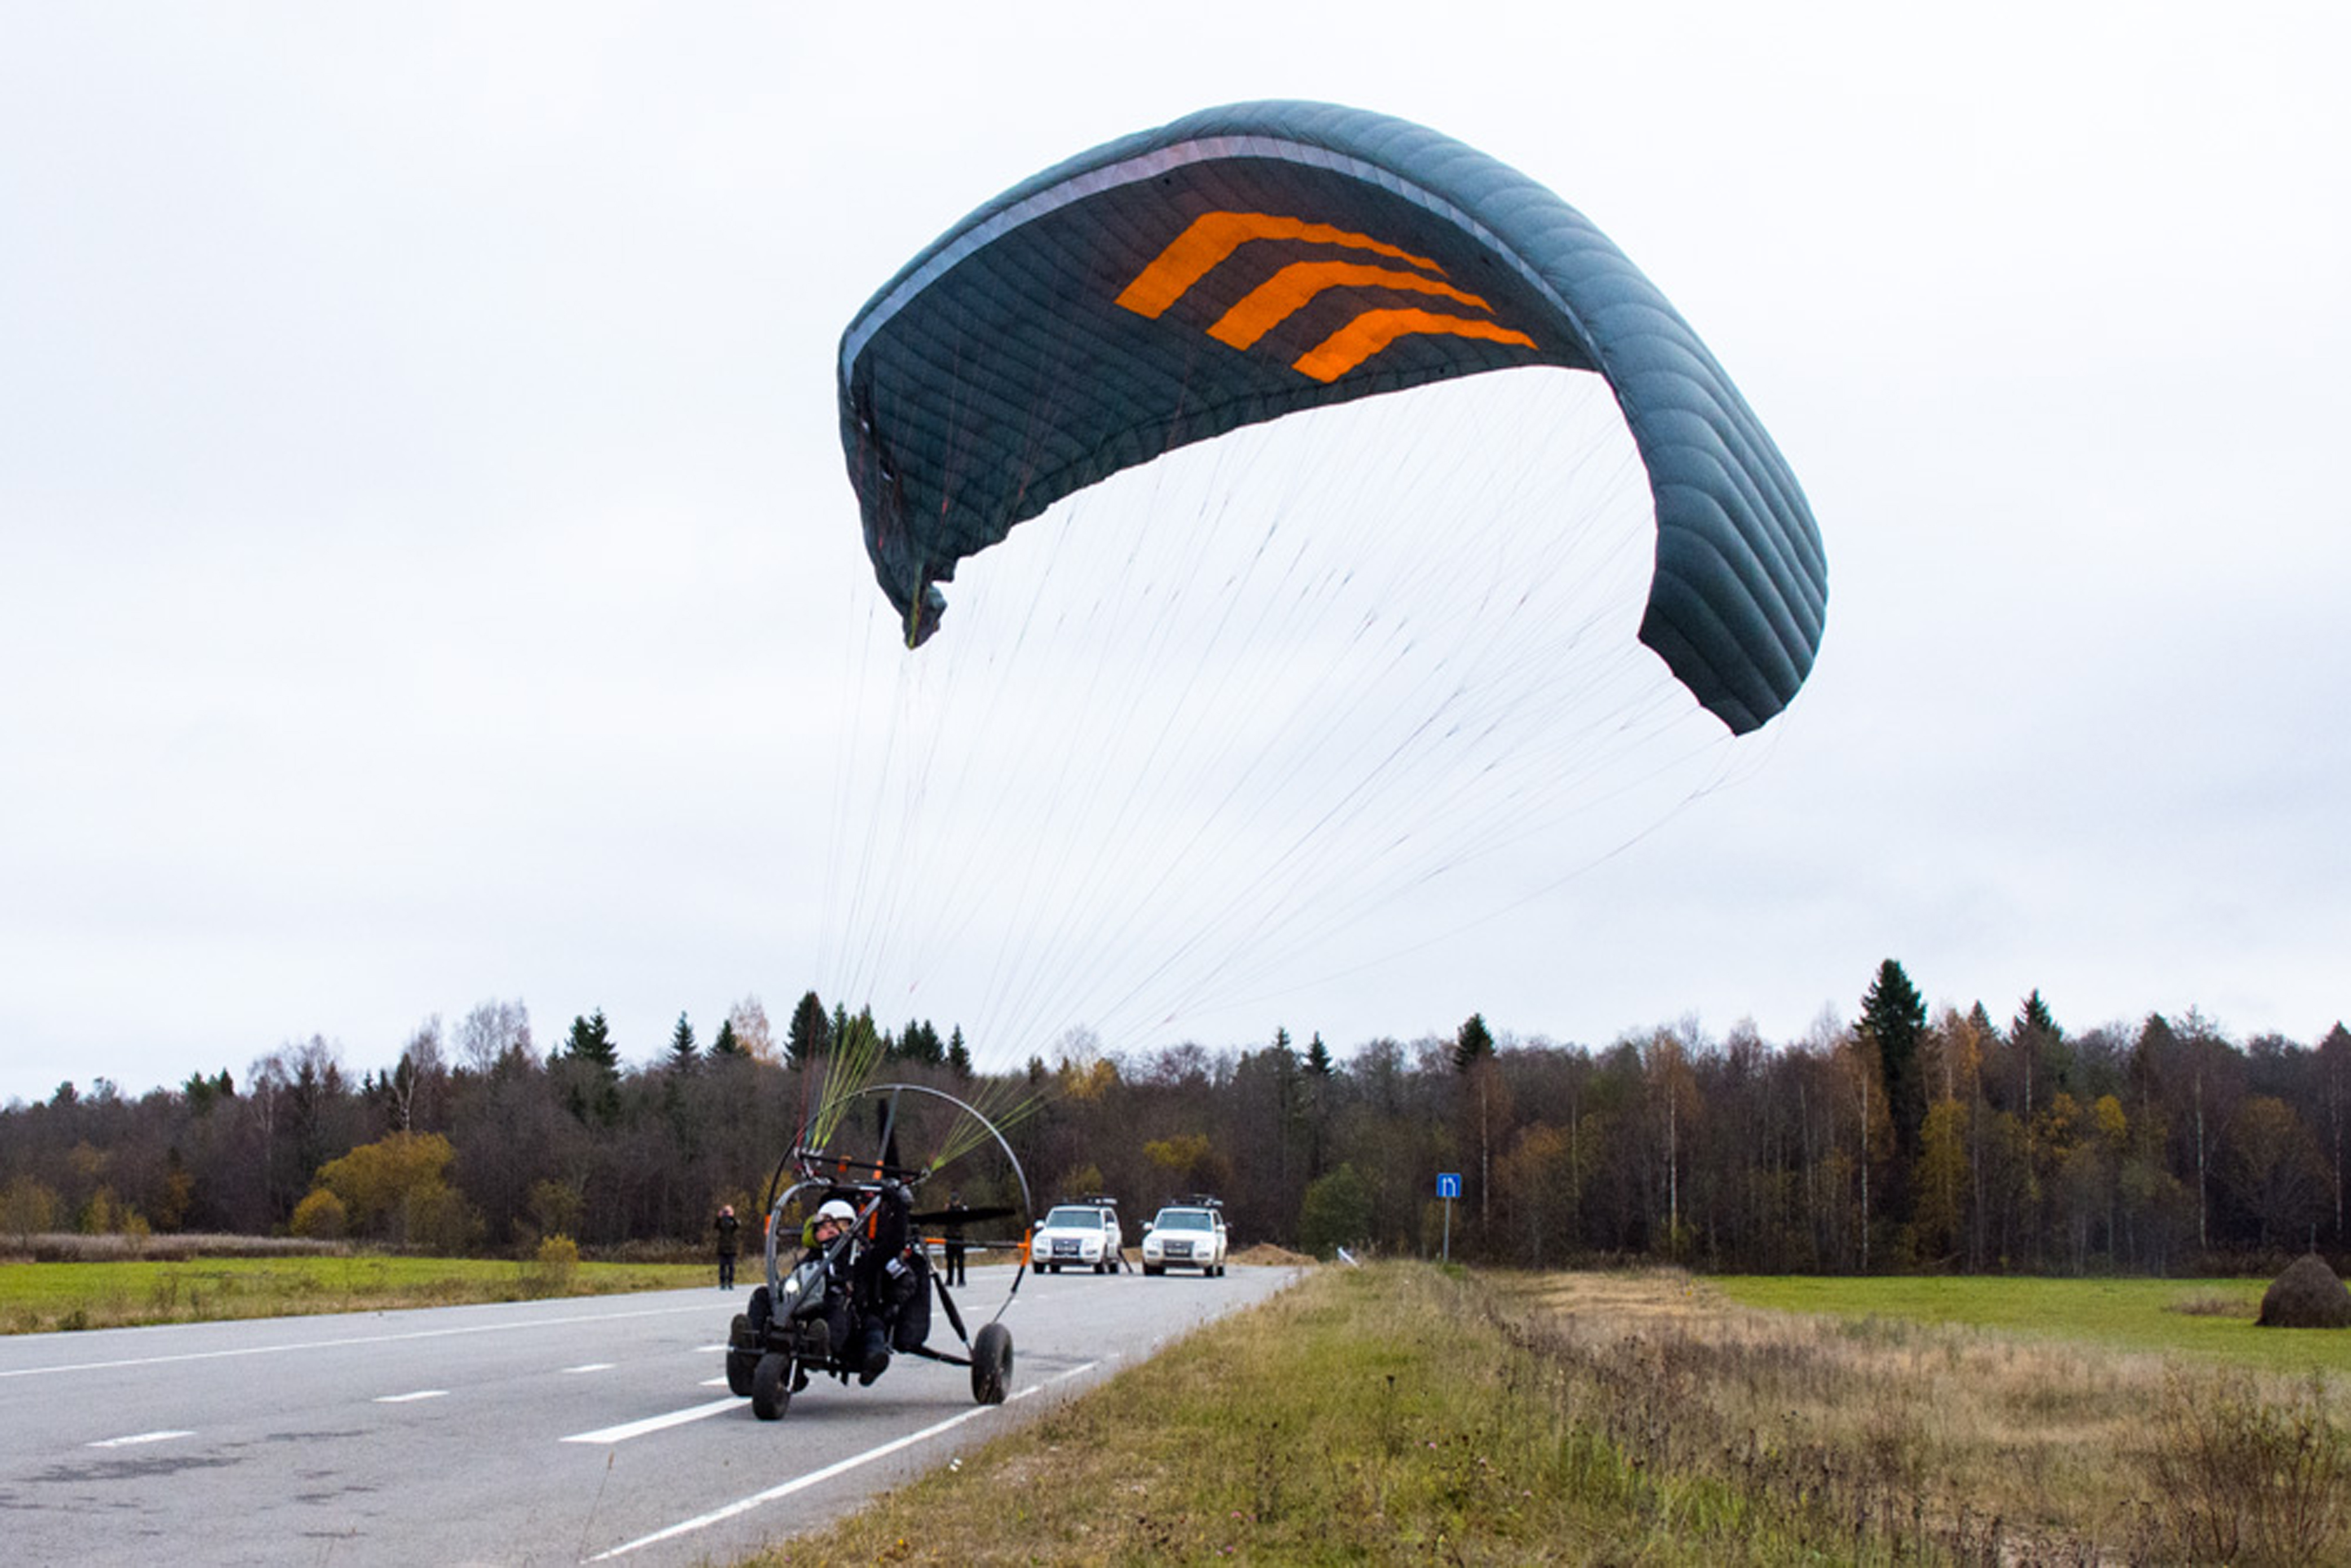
(2244,1480)
(554,1267)
(437,1218)
(383,1185)
(321,1217)
(97,1217)
(1337,1212)
(27,1208)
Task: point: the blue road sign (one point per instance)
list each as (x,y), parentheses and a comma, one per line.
(1448,1184)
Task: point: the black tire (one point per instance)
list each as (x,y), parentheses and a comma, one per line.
(741,1355)
(1154,1269)
(771,1391)
(991,1363)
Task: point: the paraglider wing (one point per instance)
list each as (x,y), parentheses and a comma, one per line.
(1248,262)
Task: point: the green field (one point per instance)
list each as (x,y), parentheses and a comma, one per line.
(38,1297)
(2164,1317)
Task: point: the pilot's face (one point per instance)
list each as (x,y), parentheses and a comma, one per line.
(827,1230)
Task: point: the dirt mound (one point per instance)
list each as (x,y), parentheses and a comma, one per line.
(2306,1296)
(1266,1255)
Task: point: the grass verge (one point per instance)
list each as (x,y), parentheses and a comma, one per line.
(1402,1414)
(39,1297)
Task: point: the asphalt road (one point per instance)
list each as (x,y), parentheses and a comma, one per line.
(544,1432)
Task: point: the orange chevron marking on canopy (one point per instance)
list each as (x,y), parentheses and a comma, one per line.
(1203,246)
(1288,291)
(1374,330)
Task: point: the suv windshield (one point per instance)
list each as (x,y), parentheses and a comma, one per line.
(1183,1219)
(1074,1219)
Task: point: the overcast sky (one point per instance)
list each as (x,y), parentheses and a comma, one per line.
(423,539)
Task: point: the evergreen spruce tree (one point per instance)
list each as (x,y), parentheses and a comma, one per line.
(807,1035)
(958,1054)
(1894,1021)
(683,1050)
(2038,1040)
(726,1043)
(918,1041)
(1473,1045)
(590,1041)
(590,1046)
(1318,1058)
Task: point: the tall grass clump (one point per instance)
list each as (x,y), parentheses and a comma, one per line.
(2247,1478)
(553,1268)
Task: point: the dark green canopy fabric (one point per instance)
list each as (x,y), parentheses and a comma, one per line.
(1246,262)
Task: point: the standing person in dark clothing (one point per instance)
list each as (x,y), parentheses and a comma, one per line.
(954,1239)
(729,1228)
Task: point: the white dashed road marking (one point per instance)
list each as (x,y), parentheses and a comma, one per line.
(627,1430)
(407,1398)
(137,1438)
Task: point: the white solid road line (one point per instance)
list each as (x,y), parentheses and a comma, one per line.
(591,1366)
(410,1398)
(623,1433)
(137,1438)
(342,1344)
(818,1478)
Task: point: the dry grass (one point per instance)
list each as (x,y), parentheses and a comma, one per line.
(72,1247)
(1939,1438)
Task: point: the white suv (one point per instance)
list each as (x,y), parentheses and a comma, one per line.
(1186,1236)
(1079,1236)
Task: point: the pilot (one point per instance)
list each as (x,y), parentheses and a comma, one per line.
(833,1220)
(825,1226)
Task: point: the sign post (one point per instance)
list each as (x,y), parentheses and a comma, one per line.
(1449,1187)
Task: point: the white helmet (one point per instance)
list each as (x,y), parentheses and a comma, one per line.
(835,1209)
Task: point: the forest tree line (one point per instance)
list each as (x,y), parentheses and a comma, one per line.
(1893,1141)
